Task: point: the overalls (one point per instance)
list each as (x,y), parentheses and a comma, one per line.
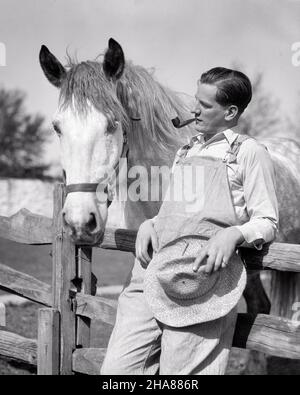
(139,344)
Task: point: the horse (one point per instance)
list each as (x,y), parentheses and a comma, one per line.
(98,110)
(116,109)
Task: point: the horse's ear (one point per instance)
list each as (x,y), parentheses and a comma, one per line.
(114,60)
(52,68)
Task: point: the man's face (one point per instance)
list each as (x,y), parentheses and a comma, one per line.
(210,114)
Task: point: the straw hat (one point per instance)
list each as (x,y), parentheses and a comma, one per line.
(180,297)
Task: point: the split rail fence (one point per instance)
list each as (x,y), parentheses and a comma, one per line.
(64,321)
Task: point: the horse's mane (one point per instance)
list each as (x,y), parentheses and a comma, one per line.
(136,95)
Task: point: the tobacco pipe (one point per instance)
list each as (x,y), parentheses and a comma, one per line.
(177,123)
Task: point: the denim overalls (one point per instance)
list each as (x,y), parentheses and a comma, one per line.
(139,344)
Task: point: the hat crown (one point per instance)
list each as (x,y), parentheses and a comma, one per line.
(179,281)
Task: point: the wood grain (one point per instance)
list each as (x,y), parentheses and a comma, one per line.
(2,314)
(95,307)
(48,342)
(84,273)
(24,285)
(271,335)
(27,228)
(64,272)
(18,348)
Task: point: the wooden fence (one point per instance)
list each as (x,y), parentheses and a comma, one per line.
(64,322)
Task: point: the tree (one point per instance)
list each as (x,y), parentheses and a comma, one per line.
(21,138)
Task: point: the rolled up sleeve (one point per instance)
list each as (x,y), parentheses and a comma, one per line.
(260,196)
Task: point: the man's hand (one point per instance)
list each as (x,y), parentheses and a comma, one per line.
(218,250)
(146,235)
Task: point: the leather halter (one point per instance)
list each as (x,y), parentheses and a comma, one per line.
(92,187)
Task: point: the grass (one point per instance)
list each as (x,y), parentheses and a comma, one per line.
(111,268)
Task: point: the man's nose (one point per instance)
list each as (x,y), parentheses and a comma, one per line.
(196,110)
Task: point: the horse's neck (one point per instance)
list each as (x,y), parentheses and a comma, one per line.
(136,212)
(148,151)
(285,155)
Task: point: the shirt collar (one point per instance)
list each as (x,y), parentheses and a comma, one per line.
(229,134)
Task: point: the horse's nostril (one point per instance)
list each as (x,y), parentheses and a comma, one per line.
(92,224)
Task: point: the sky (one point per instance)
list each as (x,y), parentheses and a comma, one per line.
(180,39)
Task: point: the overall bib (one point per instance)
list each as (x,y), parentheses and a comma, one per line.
(203,210)
(140,344)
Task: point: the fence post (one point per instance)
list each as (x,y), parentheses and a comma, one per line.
(285,298)
(64,289)
(48,342)
(2,314)
(84,273)
(285,293)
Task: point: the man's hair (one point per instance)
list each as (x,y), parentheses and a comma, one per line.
(233,87)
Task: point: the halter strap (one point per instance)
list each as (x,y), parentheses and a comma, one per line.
(84,187)
(92,187)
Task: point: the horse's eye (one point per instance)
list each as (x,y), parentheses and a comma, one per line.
(57,129)
(114,126)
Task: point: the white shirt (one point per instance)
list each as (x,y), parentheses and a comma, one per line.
(252,184)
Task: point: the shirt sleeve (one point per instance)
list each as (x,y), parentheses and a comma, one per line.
(258,178)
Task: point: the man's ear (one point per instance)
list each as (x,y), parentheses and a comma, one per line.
(114,60)
(231,113)
(52,68)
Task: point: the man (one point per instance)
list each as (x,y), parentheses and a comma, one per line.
(143,344)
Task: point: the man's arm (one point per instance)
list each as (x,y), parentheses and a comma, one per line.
(261,202)
(258,179)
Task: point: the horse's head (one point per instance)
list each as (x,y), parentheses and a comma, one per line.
(89,122)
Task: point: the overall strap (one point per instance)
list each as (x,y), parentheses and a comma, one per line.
(181,153)
(232,153)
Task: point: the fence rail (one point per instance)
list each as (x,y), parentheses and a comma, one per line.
(18,348)
(270,335)
(64,326)
(28,228)
(25,286)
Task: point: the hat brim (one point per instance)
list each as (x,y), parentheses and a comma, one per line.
(178,312)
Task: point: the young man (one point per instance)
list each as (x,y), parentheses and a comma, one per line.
(242,197)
